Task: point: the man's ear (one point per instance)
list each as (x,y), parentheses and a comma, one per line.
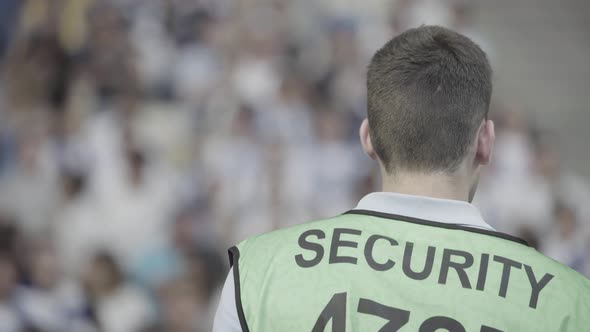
(366,140)
(486,136)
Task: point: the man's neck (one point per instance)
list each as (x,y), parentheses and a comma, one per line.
(434,185)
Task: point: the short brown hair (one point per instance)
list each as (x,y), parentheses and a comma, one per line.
(428,90)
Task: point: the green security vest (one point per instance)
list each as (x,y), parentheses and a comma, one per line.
(367,271)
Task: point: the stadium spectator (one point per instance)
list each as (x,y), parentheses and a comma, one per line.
(117,305)
(50,302)
(10,319)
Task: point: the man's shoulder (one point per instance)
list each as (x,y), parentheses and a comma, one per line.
(572,278)
(294,229)
(568,284)
(277,237)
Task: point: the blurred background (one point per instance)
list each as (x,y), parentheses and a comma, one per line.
(139,139)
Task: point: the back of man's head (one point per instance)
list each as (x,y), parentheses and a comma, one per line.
(428,89)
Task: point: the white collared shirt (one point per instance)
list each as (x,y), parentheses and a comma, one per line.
(427,208)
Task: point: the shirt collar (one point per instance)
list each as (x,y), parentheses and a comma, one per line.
(426,208)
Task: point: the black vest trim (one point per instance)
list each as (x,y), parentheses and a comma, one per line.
(439,225)
(234,256)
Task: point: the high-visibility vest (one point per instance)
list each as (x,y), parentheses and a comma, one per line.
(367,271)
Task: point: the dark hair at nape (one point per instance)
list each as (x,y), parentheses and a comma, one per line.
(428,89)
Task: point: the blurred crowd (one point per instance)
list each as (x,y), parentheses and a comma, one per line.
(141,138)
